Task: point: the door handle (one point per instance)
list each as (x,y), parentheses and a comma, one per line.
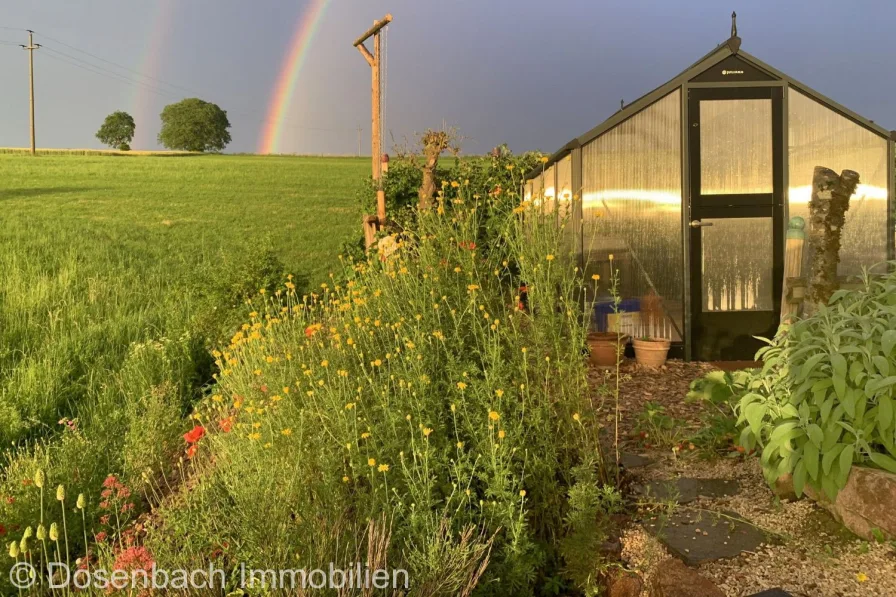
(699,224)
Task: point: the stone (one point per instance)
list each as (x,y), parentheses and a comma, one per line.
(624,584)
(700,536)
(867,502)
(674,579)
(631,461)
(783,488)
(684,490)
(772,593)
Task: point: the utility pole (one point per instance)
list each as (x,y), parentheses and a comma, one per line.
(31,47)
(359,140)
(375,62)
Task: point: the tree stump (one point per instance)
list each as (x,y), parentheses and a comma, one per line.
(827,214)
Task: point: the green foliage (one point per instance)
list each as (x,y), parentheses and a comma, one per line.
(824,398)
(124,147)
(194,125)
(413,392)
(117,130)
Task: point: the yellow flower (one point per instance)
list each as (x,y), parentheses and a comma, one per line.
(453,407)
(509,166)
(365,435)
(550,257)
(472,287)
(371,462)
(501,434)
(494,416)
(427,431)
(383,468)
(254,436)
(544,159)
(454,184)
(460,445)
(324,363)
(499,393)
(861,577)
(576,417)
(611,257)
(461,385)
(522,493)
(345,479)
(350,406)
(286,432)
(595,277)
(377,363)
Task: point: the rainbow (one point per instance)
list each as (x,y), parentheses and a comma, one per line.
(156,41)
(272,127)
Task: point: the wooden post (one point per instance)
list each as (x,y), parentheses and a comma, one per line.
(827,214)
(375,62)
(31,47)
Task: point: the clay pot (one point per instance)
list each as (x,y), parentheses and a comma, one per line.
(603,346)
(650,352)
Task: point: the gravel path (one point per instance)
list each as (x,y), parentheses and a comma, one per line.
(815,556)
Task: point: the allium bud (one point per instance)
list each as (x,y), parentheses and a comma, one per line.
(13,549)
(25,545)
(82,501)
(29,532)
(41,532)
(60,493)
(39,477)
(54,532)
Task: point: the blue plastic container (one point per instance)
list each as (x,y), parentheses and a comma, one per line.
(606,307)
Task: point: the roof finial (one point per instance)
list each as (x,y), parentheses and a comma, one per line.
(733,24)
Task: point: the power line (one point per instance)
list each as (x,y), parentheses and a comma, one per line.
(115,64)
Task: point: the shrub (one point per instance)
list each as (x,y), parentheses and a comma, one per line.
(124,147)
(824,397)
(416,395)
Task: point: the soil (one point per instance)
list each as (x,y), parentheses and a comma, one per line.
(806,552)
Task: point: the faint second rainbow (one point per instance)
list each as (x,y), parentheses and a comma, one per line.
(272,127)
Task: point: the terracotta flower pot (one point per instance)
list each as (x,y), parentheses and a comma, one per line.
(603,347)
(650,352)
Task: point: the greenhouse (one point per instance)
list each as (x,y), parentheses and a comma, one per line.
(687,192)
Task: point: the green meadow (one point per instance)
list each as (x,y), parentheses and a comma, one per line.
(101,253)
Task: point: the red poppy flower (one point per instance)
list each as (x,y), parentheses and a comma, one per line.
(195,434)
(226,424)
(264,388)
(191,451)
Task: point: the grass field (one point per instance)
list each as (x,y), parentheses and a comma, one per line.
(101,252)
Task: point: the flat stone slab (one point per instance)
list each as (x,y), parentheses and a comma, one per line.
(684,490)
(632,461)
(701,536)
(772,593)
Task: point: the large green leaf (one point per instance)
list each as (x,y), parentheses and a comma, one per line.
(838,365)
(845,462)
(884,462)
(888,341)
(884,412)
(799,478)
(810,457)
(829,457)
(882,364)
(816,435)
(754,414)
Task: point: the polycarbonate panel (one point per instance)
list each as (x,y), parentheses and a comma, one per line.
(631,204)
(737,264)
(549,190)
(821,137)
(736,146)
(564,186)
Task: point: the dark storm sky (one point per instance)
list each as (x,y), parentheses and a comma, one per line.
(532,74)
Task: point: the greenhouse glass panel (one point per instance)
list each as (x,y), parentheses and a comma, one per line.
(549,190)
(631,208)
(737,264)
(564,186)
(736,146)
(818,136)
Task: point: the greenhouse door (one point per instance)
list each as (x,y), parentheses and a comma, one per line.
(736,211)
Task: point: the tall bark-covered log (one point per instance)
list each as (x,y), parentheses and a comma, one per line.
(434,143)
(827,214)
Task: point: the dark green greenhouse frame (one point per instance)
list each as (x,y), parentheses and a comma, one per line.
(725,73)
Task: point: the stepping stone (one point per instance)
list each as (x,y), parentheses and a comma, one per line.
(700,536)
(684,490)
(772,593)
(632,461)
